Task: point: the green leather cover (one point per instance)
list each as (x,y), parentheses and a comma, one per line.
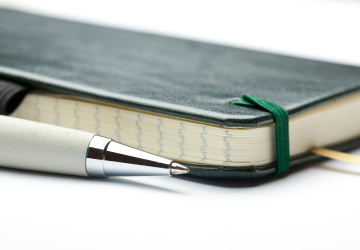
(171,76)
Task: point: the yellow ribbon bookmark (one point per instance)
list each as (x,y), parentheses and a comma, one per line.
(336,155)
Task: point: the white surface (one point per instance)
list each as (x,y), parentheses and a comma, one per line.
(315,207)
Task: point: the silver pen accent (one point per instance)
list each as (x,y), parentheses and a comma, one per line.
(106,157)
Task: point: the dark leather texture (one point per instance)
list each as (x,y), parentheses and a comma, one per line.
(11,95)
(177,77)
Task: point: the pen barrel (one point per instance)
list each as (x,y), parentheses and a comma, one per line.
(41,147)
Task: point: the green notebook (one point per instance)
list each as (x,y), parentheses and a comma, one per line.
(173,97)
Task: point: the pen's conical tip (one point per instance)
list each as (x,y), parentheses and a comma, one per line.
(176,168)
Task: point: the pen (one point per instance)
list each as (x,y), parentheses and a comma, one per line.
(41,147)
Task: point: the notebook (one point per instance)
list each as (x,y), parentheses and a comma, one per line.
(172,97)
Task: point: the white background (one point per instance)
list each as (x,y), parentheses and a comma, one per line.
(314,207)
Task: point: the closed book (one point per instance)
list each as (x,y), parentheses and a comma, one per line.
(172,96)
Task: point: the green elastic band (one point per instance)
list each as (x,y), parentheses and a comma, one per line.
(281,128)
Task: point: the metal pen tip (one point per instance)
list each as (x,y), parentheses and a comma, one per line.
(176,168)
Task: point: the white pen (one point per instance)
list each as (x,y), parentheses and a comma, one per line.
(41,147)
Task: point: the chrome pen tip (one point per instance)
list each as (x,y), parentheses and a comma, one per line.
(176,168)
